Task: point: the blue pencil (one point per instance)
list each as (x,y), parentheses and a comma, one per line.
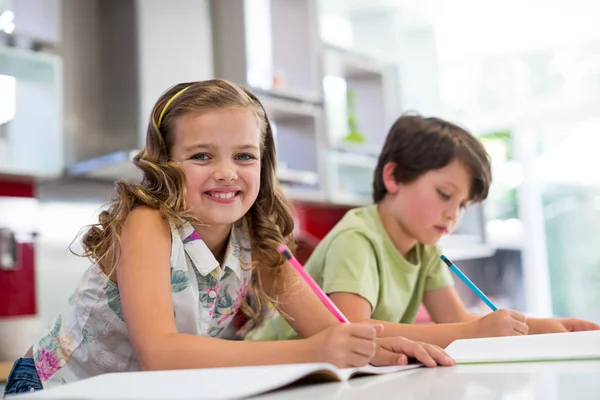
(468,282)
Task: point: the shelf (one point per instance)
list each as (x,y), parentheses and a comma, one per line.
(358,148)
(465,247)
(372,85)
(360,64)
(354,160)
(351,200)
(298,177)
(305,195)
(284,110)
(296,95)
(297,128)
(350,177)
(318,197)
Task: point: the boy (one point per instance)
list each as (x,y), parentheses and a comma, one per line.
(380,262)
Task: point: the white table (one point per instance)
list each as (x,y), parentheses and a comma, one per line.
(578,380)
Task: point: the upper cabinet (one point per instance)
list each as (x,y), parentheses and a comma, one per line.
(360,105)
(31,140)
(31,89)
(36,21)
(361,92)
(268,45)
(360,99)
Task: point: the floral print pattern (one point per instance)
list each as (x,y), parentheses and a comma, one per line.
(90,336)
(46,363)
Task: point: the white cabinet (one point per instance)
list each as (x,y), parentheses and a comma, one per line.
(350,177)
(296,127)
(360,100)
(31,140)
(36,20)
(268,45)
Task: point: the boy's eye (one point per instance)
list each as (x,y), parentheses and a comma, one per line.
(443,195)
(200,157)
(245,157)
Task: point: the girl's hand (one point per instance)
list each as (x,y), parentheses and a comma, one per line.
(397,351)
(345,345)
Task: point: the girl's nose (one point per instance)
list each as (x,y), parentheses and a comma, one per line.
(225,173)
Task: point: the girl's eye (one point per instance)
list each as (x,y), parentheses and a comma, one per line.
(200,157)
(443,195)
(245,157)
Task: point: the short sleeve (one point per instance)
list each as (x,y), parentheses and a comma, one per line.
(351,266)
(439,275)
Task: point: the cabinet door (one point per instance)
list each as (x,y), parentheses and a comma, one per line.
(30,113)
(38,20)
(268,45)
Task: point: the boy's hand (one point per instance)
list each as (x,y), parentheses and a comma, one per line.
(397,350)
(558,325)
(498,323)
(345,345)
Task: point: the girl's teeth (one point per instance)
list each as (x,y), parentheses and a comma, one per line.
(223,195)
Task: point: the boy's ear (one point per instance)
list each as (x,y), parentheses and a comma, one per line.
(389,180)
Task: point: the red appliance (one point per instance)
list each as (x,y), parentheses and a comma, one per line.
(18,219)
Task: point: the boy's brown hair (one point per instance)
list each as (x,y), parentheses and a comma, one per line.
(418,145)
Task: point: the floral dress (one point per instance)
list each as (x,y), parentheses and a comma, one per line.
(89,337)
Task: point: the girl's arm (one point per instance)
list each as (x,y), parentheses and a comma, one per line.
(303,310)
(143,275)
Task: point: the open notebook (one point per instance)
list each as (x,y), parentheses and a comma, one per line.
(210,383)
(548,347)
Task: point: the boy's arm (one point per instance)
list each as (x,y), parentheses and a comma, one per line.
(357,309)
(557,325)
(351,279)
(499,323)
(445,306)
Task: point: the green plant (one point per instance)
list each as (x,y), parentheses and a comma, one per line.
(354,135)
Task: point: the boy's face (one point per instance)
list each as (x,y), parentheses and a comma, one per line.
(432,205)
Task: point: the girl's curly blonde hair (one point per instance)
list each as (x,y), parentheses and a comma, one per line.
(163,188)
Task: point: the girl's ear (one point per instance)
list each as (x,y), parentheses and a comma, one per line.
(389,180)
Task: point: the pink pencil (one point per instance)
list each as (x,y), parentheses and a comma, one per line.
(311,282)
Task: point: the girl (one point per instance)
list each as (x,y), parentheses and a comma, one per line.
(175,255)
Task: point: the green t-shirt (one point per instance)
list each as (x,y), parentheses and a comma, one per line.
(359,257)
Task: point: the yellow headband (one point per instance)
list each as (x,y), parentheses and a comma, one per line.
(162,113)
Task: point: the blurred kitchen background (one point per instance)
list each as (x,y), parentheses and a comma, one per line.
(78,79)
